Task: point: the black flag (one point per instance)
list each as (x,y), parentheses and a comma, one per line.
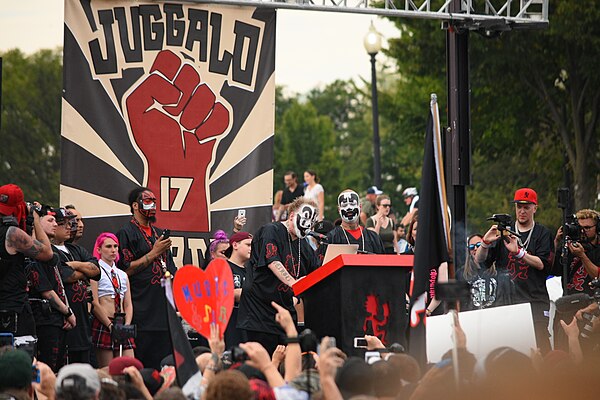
(431,247)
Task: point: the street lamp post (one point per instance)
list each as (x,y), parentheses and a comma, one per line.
(372,43)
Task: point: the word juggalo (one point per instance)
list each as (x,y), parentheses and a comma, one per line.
(176,121)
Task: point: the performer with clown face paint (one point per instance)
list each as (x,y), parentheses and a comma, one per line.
(350,232)
(279,257)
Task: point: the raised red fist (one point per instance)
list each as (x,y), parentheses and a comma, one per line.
(175,120)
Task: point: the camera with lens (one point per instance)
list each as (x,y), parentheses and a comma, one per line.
(121,332)
(238,355)
(308,341)
(572,303)
(504,221)
(89,295)
(571,228)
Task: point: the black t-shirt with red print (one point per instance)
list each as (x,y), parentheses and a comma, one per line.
(78,338)
(529,282)
(578,279)
(272,243)
(147,293)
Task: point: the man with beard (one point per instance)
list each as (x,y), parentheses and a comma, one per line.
(279,257)
(78,266)
(350,232)
(528,260)
(144,254)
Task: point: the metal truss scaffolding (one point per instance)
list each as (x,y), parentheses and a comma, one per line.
(473,13)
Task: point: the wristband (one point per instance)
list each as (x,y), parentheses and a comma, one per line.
(521,253)
(291,340)
(69,312)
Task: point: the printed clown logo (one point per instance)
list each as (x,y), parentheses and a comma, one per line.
(176,121)
(378,324)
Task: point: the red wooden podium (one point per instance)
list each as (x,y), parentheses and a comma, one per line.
(359,294)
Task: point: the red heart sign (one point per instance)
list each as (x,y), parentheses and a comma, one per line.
(205,296)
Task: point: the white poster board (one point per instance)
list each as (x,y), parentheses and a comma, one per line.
(485,329)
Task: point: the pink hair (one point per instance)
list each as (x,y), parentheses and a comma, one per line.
(100,241)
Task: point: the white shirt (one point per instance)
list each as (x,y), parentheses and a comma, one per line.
(313,194)
(105,286)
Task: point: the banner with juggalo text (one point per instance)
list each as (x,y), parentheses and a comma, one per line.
(176,97)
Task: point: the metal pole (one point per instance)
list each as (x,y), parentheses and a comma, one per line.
(0,92)
(458,148)
(376,141)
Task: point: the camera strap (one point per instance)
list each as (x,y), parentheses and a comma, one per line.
(61,286)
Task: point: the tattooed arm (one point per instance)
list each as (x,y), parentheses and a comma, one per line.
(18,241)
(281,273)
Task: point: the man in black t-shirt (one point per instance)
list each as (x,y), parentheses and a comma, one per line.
(583,262)
(350,232)
(54,316)
(240,245)
(291,192)
(279,257)
(528,260)
(145,255)
(77,267)
(15,246)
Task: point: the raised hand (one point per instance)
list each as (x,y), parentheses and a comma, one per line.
(175,121)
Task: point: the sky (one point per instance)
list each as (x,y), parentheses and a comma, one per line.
(312,48)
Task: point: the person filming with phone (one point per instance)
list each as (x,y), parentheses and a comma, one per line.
(145,255)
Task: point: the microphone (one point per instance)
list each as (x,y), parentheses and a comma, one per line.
(320,237)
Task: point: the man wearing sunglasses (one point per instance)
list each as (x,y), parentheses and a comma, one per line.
(583,259)
(584,253)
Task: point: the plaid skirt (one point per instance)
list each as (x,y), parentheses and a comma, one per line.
(101,338)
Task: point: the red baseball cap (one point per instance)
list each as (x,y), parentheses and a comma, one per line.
(239,236)
(525,196)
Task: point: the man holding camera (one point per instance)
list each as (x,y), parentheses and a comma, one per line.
(528,260)
(15,313)
(584,252)
(583,259)
(145,255)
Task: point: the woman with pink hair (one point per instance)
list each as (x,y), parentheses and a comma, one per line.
(112,302)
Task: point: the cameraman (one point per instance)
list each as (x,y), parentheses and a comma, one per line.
(528,260)
(16,244)
(584,253)
(582,261)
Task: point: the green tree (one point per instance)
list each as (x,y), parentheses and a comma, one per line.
(525,111)
(30,132)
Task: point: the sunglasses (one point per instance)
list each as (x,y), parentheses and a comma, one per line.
(587,228)
(386,205)
(474,246)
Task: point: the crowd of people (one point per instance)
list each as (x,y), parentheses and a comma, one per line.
(91,323)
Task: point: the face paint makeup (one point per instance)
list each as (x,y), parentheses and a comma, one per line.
(305,218)
(349,206)
(147,204)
